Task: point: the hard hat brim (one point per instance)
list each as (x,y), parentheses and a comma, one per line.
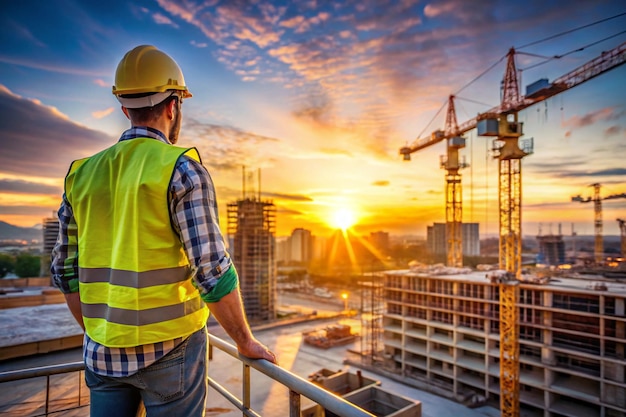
(145,69)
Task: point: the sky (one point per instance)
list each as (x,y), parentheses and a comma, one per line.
(313,100)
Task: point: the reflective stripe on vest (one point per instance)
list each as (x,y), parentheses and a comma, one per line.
(135,285)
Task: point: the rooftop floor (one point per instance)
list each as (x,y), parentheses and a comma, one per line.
(269,398)
(570,281)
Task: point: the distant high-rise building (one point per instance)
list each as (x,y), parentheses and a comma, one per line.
(298,247)
(380,241)
(301,245)
(471,239)
(436,239)
(320,247)
(50,232)
(251,227)
(283,250)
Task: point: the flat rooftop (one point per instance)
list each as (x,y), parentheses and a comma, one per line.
(570,282)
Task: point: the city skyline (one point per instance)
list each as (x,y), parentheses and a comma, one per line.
(318,98)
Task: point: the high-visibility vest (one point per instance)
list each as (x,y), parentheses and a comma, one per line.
(134,275)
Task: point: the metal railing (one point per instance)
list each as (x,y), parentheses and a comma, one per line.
(297,386)
(47,372)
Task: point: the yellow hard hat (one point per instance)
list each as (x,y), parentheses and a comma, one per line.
(145,69)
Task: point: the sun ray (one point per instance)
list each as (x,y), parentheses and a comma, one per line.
(350,249)
(377,254)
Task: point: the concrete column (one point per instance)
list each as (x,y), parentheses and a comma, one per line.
(547,354)
(620,331)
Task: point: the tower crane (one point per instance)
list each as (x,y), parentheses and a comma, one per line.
(598,248)
(502,123)
(452,163)
(622,234)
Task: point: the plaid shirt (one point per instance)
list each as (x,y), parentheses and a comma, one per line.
(193,208)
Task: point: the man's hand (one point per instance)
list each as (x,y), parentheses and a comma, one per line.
(230,315)
(254,349)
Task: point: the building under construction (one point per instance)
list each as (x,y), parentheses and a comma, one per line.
(551,250)
(442,332)
(50,230)
(251,229)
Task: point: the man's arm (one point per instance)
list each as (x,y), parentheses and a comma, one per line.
(195,218)
(229,313)
(73,302)
(64,263)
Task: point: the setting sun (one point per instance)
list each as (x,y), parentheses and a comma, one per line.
(343,218)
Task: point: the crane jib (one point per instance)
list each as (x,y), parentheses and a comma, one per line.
(605,62)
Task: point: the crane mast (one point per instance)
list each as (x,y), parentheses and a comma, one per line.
(622,233)
(506,127)
(598,248)
(502,123)
(452,163)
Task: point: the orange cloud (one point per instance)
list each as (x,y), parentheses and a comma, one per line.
(103,113)
(589,119)
(293,22)
(434,10)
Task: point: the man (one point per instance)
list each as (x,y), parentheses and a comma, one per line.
(140,256)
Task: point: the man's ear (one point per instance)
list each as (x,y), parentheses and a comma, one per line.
(125,110)
(170,109)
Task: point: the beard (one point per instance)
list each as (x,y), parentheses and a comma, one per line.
(175,129)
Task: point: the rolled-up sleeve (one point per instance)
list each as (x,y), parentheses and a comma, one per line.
(64,258)
(193,206)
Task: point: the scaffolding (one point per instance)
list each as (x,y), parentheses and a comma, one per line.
(372,310)
(251,230)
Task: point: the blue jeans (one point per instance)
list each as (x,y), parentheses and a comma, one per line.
(175,385)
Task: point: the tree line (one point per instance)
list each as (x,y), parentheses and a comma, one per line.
(23,265)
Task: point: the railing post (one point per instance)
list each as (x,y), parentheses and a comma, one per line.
(294,404)
(246,387)
(323,398)
(47,392)
(80,387)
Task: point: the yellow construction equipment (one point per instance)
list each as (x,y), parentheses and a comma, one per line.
(598,249)
(502,123)
(452,163)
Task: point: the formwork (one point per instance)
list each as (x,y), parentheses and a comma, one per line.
(341,382)
(251,229)
(383,403)
(363,392)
